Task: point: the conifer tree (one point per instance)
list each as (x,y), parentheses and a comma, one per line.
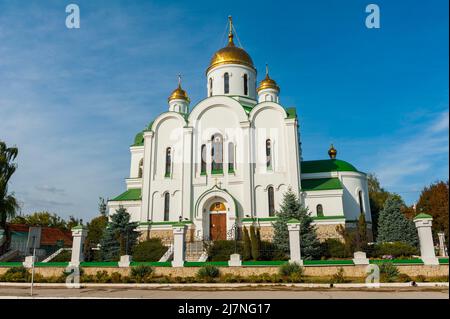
(393,225)
(119,237)
(291,207)
(247,251)
(254,243)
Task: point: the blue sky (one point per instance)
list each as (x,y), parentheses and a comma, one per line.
(72,100)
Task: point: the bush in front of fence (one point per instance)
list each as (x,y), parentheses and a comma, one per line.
(149,250)
(221,250)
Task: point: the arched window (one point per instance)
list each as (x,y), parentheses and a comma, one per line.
(226,83)
(141,168)
(210,86)
(245,84)
(271,201)
(269,154)
(166,206)
(203,159)
(230,157)
(319,210)
(217,153)
(168,161)
(360,199)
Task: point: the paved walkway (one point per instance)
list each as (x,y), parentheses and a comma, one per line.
(292,293)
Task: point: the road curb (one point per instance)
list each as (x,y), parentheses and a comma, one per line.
(230,286)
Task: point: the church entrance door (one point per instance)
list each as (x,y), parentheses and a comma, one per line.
(218,222)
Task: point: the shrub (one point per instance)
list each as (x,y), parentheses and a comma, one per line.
(334,248)
(247,249)
(388,272)
(149,250)
(141,273)
(289,269)
(116,277)
(403,278)
(221,250)
(16,274)
(255,242)
(64,256)
(208,272)
(102,277)
(395,249)
(338,277)
(270,251)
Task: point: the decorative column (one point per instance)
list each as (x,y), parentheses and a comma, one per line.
(423,224)
(179,230)
(442,248)
(79,233)
(147,177)
(188,164)
(294,241)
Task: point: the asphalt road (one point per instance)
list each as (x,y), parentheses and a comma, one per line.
(245,293)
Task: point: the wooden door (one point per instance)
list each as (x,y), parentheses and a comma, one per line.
(218,226)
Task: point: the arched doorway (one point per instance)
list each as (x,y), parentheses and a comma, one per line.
(218,221)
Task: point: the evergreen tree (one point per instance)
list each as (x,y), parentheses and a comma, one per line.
(254,243)
(247,251)
(119,237)
(102,207)
(393,225)
(292,208)
(361,237)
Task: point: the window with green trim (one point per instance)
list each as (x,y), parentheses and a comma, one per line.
(203,160)
(166,206)
(269,154)
(217,152)
(230,157)
(168,162)
(271,201)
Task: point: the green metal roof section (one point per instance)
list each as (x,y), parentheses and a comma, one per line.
(321,184)
(330,165)
(131,194)
(291,112)
(139,139)
(423,216)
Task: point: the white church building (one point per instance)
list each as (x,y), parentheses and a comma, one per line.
(228,160)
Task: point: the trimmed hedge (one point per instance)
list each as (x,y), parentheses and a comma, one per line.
(149,250)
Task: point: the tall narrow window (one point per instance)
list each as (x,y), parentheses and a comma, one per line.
(230,157)
(271,201)
(269,154)
(168,161)
(203,160)
(210,86)
(166,206)
(319,210)
(245,84)
(141,168)
(361,206)
(217,153)
(226,83)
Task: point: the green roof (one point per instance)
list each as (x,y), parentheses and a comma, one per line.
(291,112)
(131,194)
(321,184)
(330,165)
(139,139)
(423,216)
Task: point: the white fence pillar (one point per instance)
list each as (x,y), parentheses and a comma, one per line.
(442,248)
(294,241)
(179,230)
(79,233)
(423,224)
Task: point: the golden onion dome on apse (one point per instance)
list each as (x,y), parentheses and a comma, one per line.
(179,93)
(268,83)
(332,152)
(230,54)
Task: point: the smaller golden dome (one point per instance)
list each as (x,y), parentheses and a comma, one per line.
(268,83)
(179,93)
(332,152)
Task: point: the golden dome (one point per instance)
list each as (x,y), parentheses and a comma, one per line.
(179,94)
(332,152)
(267,83)
(230,54)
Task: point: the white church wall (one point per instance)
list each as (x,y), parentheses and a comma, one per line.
(353,182)
(331,201)
(137,153)
(236,79)
(133,208)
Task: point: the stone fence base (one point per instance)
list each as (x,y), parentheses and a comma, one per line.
(316,271)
